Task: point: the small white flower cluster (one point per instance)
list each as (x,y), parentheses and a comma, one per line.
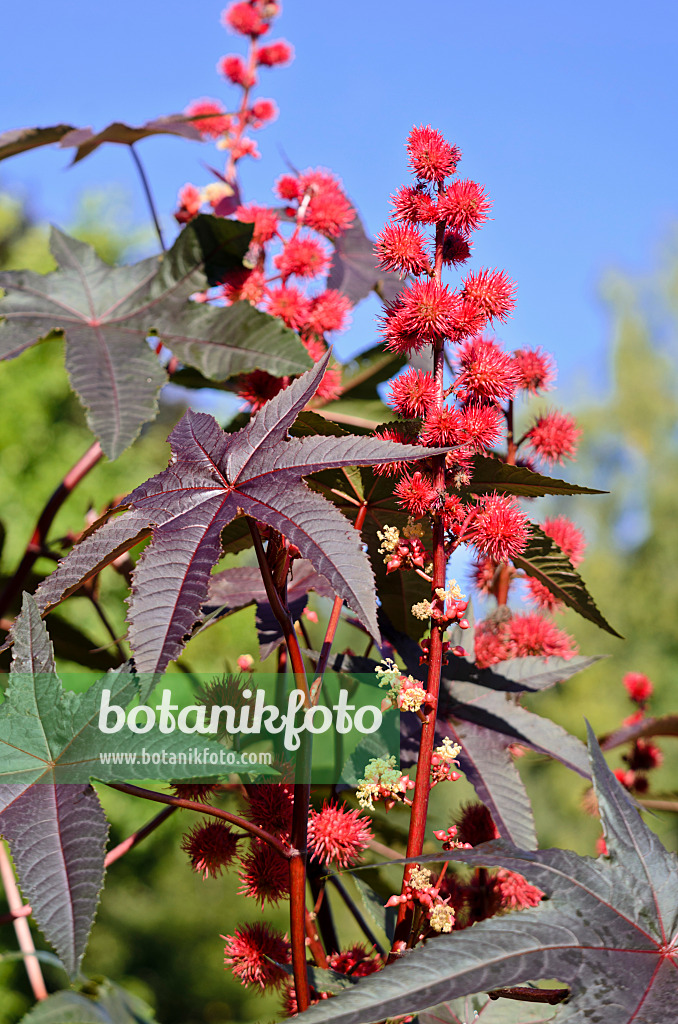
(413,529)
(390,539)
(403,691)
(422,610)
(448,751)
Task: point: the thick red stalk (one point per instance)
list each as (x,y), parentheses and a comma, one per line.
(36,544)
(283,848)
(422,787)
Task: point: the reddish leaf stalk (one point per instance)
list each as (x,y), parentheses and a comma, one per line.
(149,195)
(283,848)
(137,837)
(281,614)
(532,995)
(21,926)
(36,543)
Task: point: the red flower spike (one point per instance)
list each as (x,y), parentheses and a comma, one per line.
(456,248)
(464,206)
(492,291)
(534,635)
(431,158)
(235,70)
(338,835)
(402,248)
(412,393)
(428,310)
(287,187)
(516,892)
(213,120)
(264,219)
(249,285)
(190,201)
(414,206)
(258,387)
(261,112)
(475,825)
(566,535)
(416,494)
(638,687)
(554,437)
(279,52)
(403,436)
(486,373)
(357,961)
(499,528)
(264,875)
(245,19)
(329,311)
(536,368)
(211,846)
(482,426)
(442,427)
(269,805)
(249,953)
(302,256)
(290,305)
(644,756)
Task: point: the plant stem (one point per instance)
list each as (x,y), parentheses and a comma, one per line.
(149,195)
(283,848)
(360,920)
(127,844)
(281,614)
(36,543)
(21,926)
(314,944)
(422,788)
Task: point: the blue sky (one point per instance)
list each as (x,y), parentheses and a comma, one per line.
(566,113)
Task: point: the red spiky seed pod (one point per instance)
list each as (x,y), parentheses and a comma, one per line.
(275,53)
(486,373)
(413,393)
(464,206)
(211,846)
(475,825)
(554,437)
(638,687)
(431,158)
(338,835)
(249,953)
(264,874)
(269,806)
(211,118)
(536,368)
(499,528)
(492,291)
(302,256)
(402,248)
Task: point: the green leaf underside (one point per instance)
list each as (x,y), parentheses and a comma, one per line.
(97,1002)
(213,477)
(546,562)
(596,932)
(106,315)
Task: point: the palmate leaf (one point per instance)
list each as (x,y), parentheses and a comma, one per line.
(50,745)
(57,833)
(608,929)
(212,478)
(97,1001)
(547,563)
(481,1009)
(107,313)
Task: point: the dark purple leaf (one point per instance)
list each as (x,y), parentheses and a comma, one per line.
(106,315)
(667,725)
(86,141)
(608,929)
(544,561)
(213,477)
(493,475)
(20,140)
(354,268)
(57,833)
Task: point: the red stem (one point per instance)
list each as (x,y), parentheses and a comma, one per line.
(128,844)
(36,544)
(230,172)
(283,848)
(21,926)
(422,787)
